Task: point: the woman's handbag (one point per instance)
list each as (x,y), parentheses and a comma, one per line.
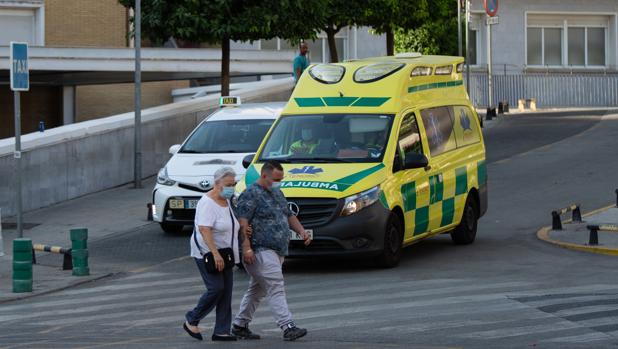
(226,253)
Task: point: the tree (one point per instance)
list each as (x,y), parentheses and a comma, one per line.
(436,35)
(388,16)
(334,15)
(219,21)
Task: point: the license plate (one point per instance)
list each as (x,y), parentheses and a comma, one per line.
(297,237)
(183,204)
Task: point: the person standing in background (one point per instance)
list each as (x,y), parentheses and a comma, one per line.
(301,62)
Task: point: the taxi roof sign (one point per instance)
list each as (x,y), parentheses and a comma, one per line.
(226,101)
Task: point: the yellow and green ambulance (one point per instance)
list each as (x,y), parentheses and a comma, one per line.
(378,154)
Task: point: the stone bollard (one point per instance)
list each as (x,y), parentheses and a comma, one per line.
(79,251)
(22,265)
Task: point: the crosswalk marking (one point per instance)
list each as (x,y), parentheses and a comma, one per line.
(469,309)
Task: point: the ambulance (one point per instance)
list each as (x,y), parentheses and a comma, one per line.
(379,154)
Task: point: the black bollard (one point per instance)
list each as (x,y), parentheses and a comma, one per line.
(556,224)
(577,215)
(594,235)
(149,214)
(616,197)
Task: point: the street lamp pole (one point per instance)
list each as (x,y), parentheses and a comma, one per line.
(137,170)
(459,28)
(467,19)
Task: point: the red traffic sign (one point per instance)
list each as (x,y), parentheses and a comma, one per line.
(491,7)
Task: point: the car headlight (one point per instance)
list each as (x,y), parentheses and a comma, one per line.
(359,201)
(163,178)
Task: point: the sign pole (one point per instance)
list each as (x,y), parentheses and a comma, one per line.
(17,154)
(489,70)
(467,46)
(459,27)
(20,81)
(137,171)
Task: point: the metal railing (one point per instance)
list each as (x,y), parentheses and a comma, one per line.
(550,90)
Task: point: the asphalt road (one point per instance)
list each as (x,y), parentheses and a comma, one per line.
(507,290)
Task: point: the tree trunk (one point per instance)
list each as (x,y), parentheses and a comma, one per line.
(332,45)
(390,42)
(225,66)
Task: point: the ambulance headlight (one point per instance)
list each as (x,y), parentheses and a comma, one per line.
(359,201)
(375,72)
(163,178)
(327,73)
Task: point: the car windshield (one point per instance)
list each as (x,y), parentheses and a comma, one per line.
(227,136)
(329,138)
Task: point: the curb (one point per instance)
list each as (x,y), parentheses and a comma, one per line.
(559,112)
(33,294)
(543,234)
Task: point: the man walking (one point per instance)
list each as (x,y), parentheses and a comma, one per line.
(263,206)
(301,62)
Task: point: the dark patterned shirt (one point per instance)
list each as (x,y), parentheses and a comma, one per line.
(267,212)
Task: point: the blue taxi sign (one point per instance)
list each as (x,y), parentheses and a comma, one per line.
(20,76)
(225,101)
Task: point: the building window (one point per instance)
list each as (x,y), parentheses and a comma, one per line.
(567,40)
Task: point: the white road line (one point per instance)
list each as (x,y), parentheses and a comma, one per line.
(586,310)
(570,300)
(582,338)
(522,330)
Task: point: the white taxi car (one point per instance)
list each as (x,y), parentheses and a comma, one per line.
(222,139)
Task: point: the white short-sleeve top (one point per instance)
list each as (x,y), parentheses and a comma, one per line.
(210,214)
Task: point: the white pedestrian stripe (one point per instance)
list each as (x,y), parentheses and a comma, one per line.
(490,310)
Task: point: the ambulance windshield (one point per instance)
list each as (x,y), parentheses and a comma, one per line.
(329,138)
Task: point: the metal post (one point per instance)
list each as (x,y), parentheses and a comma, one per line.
(137,161)
(1,242)
(593,239)
(459,28)
(616,191)
(467,34)
(556,223)
(489,70)
(17,156)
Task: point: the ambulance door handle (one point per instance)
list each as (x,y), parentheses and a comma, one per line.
(428,168)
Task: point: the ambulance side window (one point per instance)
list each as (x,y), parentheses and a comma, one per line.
(408,142)
(466,128)
(440,130)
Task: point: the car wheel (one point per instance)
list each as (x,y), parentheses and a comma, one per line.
(465,232)
(171,228)
(393,243)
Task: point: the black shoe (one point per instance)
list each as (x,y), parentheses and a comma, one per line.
(293,333)
(223,338)
(197,335)
(244,332)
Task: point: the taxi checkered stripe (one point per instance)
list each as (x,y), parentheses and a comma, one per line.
(446,192)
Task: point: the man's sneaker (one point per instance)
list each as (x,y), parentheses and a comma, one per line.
(244,332)
(292,333)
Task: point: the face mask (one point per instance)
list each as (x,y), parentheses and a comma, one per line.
(275,185)
(227,192)
(306,135)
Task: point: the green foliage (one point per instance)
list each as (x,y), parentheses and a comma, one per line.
(213,21)
(436,35)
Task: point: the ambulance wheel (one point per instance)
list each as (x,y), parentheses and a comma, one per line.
(465,232)
(393,241)
(171,228)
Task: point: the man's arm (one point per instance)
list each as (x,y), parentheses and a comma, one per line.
(297,227)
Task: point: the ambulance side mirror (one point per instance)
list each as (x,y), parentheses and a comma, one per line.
(246,161)
(174,149)
(414,160)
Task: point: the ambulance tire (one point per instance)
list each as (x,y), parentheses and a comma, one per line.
(393,243)
(465,232)
(171,228)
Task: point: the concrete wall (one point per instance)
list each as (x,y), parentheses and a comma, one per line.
(77,23)
(509,36)
(96,101)
(86,157)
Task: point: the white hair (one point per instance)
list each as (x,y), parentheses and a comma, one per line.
(224,172)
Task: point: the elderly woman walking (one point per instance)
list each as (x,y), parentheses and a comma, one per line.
(214,246)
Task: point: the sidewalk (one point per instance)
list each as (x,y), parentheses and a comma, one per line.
(112,211)
(576,235)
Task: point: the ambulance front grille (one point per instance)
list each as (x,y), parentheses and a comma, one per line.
(315,212)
